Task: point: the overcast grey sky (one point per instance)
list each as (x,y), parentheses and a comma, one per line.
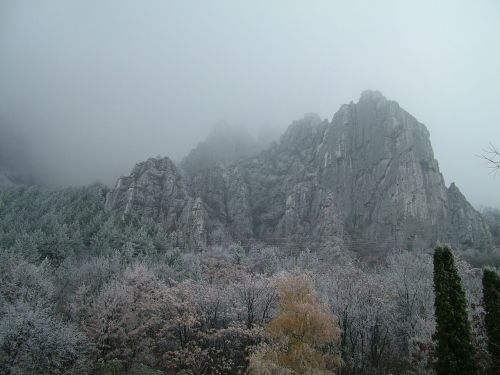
(100,85)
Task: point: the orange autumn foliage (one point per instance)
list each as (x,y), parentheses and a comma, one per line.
(301,335)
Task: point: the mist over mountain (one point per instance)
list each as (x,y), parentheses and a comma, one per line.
(225,143)
(91,95)
(366,180)
(262,187)
(16,164)
(368,177)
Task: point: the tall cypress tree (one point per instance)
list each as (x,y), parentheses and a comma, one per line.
(454,348)
(491,296)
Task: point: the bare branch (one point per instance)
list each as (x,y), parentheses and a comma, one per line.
(492,156)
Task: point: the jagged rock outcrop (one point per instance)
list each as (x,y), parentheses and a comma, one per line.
(156,189)
(467,225)
(367,180)
(225,193)
(492,217)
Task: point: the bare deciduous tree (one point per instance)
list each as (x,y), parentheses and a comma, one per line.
(492,156)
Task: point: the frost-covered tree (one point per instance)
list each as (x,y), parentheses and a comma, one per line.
(32,341)
(24,282)
(366,307)
(123,320)
(206,325)
(257,296)
(408,275)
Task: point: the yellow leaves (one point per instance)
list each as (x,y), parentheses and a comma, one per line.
(301,333)
(303,316)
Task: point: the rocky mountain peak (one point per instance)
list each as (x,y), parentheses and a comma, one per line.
(302,131)
(156,189)
(366,180)
(224,144)
(471,228)
(372,95)
(159,165)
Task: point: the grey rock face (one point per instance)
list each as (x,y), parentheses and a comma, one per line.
(378,159)
(156,189)
(226,197)
(367,180)
(468,226)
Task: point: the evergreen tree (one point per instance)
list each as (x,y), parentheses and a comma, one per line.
(491,293)
(455,353)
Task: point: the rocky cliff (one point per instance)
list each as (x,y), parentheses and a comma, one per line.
(366,180)
(156,189)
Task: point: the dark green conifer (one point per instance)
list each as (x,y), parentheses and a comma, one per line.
(491,295)
(455,353)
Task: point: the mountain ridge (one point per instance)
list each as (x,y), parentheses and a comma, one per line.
(367,176)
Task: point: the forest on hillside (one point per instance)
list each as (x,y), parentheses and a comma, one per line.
(249,187)
(85,292)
